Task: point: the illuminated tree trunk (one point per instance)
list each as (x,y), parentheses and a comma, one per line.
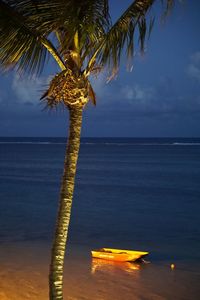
(64,211)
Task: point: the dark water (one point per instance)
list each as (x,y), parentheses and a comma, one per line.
(130,193)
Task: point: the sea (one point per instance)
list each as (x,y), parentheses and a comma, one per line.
(130,193)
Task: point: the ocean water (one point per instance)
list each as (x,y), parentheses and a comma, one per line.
(141,194)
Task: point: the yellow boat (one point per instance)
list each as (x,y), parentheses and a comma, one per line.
(118,254)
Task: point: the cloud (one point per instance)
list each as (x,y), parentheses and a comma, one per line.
(28,91)
(136,98)
(162,100)
(137,93)
(194,66)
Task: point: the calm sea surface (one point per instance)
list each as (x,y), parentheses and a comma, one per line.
(130,193)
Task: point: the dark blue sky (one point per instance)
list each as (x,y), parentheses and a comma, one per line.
(159,98)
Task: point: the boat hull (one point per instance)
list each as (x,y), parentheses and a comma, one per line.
(118,254)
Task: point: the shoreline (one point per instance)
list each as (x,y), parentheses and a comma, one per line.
(24,275)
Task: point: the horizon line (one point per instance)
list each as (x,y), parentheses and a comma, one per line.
(108,137)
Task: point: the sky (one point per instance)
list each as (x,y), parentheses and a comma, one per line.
(159,98)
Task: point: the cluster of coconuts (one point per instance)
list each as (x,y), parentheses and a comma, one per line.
(68,88)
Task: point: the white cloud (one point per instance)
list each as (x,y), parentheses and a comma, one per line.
(194,66)
(196,57)
(137,93)
(28,90)
(194,72)
(113,91)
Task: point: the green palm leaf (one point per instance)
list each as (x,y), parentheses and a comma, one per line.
(28,27)
(133,22)
(21,43)
(17,42)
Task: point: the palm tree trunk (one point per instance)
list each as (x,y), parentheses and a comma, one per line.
(64,211)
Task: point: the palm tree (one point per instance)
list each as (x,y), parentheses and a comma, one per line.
(82,40)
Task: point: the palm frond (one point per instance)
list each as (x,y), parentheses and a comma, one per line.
(17,43)
(21,44)
(121,34)
(134,22)
(91,93)
(168,5)
(85,35)
(91,21)
(151,24)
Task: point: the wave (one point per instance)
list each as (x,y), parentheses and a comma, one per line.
(143,144)
(186,144)
(108,143)
(34,143)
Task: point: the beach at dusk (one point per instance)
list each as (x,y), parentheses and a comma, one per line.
(99,150)
(24,275)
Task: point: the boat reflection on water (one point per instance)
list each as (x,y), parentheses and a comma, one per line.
(110,266)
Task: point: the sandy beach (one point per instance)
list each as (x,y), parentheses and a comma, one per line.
(24,275)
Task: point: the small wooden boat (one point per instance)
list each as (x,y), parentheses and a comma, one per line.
(118,254)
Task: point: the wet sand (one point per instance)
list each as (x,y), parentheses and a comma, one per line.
(24,275)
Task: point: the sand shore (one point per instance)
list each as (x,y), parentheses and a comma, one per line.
(24,275)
